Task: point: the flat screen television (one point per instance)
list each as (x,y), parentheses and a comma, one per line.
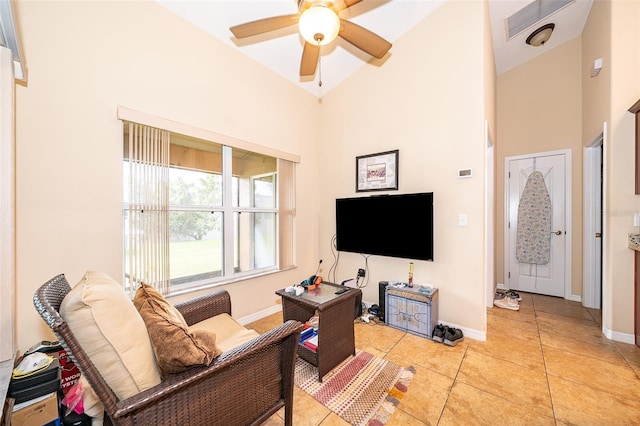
(386,225)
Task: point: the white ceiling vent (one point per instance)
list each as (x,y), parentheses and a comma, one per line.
(532,14)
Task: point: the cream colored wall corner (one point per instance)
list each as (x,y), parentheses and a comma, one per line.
(596,107)
(85,59)
(540,109)
(428,101)
(490,82)
(621,200)
(612,33)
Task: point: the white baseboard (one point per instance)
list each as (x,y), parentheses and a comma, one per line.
(259,315)
(618,336)
(500,286)
(575,298)
(469,332)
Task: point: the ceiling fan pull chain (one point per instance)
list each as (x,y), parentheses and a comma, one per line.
(319,65)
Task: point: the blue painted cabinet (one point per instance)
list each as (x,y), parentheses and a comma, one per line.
(411,310)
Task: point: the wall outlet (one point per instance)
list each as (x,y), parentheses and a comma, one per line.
(361,272)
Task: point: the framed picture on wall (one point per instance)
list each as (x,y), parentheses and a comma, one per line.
(377,172)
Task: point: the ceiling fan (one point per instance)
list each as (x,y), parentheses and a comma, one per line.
(319,24)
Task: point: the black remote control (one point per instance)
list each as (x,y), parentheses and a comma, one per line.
(342,290)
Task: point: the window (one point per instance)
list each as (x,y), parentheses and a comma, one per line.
(198,212)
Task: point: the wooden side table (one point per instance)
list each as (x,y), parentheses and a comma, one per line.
(336,312)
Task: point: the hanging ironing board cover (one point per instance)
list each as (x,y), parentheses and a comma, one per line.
(533,236)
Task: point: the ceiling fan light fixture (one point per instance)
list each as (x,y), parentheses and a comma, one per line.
(319,25)
(541,35)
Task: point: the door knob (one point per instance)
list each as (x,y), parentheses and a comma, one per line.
(558,232)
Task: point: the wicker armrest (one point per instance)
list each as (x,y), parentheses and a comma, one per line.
(199,309)
(239,369)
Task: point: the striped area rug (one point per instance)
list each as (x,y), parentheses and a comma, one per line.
(362,390)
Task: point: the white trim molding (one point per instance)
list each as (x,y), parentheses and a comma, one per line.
(128,114)
(259,315)
(591,264)
(618,336)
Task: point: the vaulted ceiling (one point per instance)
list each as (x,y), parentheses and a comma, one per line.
(281,50)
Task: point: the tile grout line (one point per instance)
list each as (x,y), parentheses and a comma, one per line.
(453,383)
(544,361)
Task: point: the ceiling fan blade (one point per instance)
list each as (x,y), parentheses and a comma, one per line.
(349,3)
(310,55)
(265,25)
(364,39)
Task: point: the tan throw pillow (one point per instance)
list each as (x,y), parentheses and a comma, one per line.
(109,329)
(176,346)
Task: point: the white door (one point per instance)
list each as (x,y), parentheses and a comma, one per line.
(550,278)
(592,221)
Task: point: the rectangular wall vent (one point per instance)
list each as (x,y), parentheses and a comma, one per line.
(533,13)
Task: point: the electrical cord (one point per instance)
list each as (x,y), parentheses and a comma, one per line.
(336,258)
(365,281)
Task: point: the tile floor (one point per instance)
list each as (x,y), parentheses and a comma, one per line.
(545,364)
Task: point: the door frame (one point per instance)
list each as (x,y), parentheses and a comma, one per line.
(591,292)
(7,210)
(568,211)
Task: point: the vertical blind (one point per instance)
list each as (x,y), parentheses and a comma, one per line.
(286,213)
(147,210)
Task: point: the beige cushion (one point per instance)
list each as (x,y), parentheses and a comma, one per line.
(176,346)
(112,333)
(229,332)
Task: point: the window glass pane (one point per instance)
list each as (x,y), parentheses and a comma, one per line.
(247,166)
(195,248)
(255,240)
(264,191)
(194,188)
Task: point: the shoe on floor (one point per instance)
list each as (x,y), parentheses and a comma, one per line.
(506,303)
(452,336)
(438,333)
(512,294)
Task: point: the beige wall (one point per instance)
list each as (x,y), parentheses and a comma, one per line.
(430,104)
(540,109)
(596,43)
(85,59)
(621,200)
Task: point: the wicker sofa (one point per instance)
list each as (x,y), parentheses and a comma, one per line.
(243,385)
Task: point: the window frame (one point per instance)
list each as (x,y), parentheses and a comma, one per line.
(229,273)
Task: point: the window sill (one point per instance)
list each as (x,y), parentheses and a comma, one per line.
(208,284)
